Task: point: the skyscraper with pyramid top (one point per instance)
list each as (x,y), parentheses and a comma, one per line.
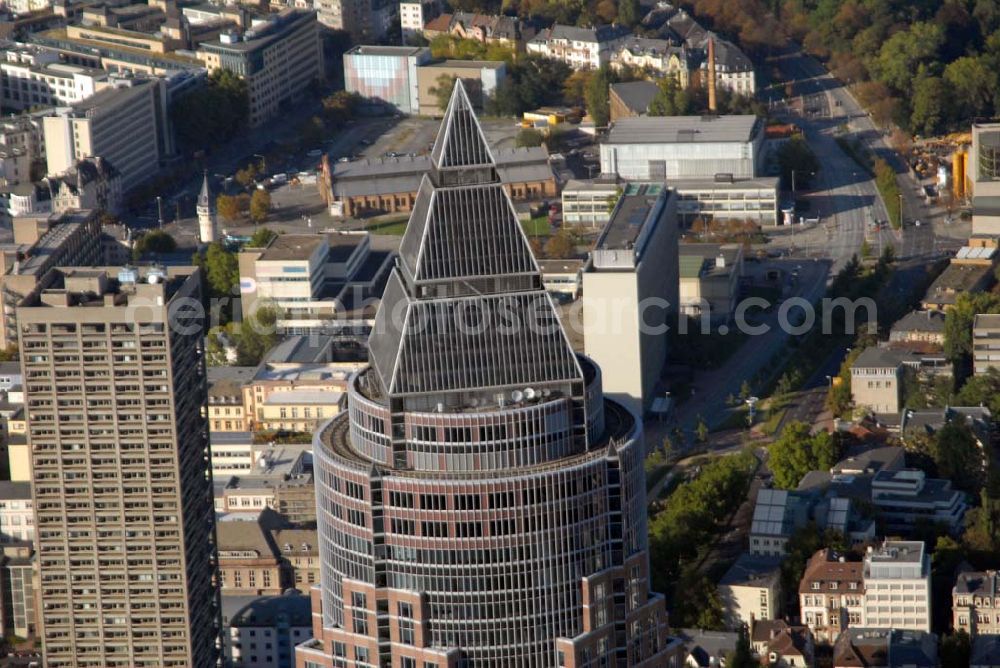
(481,503)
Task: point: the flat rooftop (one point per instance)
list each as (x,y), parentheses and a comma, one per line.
(291,247)
(684,129)
(629,216)
(985,321)
(898,551)
(466,64)
(398,51)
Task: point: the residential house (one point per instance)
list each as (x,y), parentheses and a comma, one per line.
(885,648)
(249,561)
(976,602)
(226,410)
(658,57)
(831,594)
(782,645)
(300,549)
(580,48)
(707,649)
(751,590)
(91,183)
(919,327)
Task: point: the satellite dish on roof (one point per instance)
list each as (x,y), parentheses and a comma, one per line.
(516,395)
(529,393)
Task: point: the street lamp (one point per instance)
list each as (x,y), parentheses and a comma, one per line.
(900,195)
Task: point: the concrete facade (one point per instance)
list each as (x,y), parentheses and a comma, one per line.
(630,287)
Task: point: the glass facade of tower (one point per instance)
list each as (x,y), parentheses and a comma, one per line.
(480,503)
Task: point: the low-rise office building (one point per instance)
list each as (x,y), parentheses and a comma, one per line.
(751,590)
(728,198)
(906,498)
(710,277)
(481,79)
(263,632)
(777,514)
(975,603)
(310,278)
(630,287)
(19,590)
(589,203)
(232,453)
(897,592)
(366,21)
(17,512)
(985,343)
(562,278)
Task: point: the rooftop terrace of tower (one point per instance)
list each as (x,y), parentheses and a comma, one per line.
(620,426)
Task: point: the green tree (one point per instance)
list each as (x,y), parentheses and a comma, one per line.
(795,155)
(959,318)
(222,271)
(866,249)
(213,114)
(442,89)
(628,12)
(958,457)
(903,53)
(973,81)
(260,205)
(215,348)
(981,390)
(528,137)
(261,238)
(256,335)
(596,95)
(560,245)
(670,99)
(796,452)
(932,106)
(155,241)
(229,207)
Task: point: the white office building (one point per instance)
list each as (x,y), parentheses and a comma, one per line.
(898,586)
(31,78)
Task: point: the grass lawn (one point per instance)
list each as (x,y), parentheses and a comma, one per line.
(395,227)
(537,227)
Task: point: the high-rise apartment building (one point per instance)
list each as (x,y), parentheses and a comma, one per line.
(481,503)
(116,406)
